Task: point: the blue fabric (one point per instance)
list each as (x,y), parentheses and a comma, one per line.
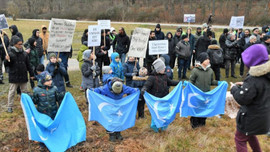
(106,77)
(203,104)
(163,110)
(66,130)
(113,115)
(117,67)
(58,77)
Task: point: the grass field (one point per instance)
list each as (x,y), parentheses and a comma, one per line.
(216,136)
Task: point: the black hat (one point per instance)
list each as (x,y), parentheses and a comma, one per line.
(214,42)
(202,57)
(184,36)
(31,41)
(199,28)
(266,37)
(158,26)
(40,68)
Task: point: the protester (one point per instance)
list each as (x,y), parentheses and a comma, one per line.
(39,45)
(44,35)
(116,65)
(166,59)
(47,98)
(57,70)
(121,44)
(183,52)
(176,39)
(112,35)
(90,72)
(149,59)
(192,45)
(107,73)
(3,54)
(256,32)
(223,38)
(115,89)
(230,54)
(242,42)
(157,85)
(64,56)
(40,68)
(18,63)
(159,34)
(197,35)
(253,118)
(266,42)
(215,54)
(138,82)
(170,39)
(202,77)
(83,48)
(131,68)
(203,43)
(85,36)
(14,31)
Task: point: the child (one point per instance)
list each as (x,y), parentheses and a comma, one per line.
(33,57)
(107,73)
(116,66)
(168,70)
(40,68)
(202,77)
(82,49)
(57,71)
(130,70)
(157,85)
(138,82)
(46,97)
(90,72)
(115,89)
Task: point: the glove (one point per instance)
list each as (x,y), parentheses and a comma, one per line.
(134,74)
(93,68)
(219,82)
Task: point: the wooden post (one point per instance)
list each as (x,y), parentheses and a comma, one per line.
(94,60)
(3,42)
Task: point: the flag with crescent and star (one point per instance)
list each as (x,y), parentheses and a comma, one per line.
(203,104)
(66,130)
(163,110)
(113,115)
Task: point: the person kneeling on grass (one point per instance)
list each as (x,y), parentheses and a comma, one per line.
(46,97)
(115,89)
(202,77)
(157,85)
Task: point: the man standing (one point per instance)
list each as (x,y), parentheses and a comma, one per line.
(121,44)
(39,45)
(203,43)
(14,31)
(3,54)
(18,62)
(159,34)
(256,32)
(242,42)
(44,35)
(230,55)
(149,59)
(266,42)
(176,39)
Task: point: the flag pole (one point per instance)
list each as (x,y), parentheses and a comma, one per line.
(3,42)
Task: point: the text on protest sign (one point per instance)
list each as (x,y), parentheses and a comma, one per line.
(61,35)
(237,22)
(189,18)
(139,42)
(158,47)
(94,35)
(104,24)
(3,22)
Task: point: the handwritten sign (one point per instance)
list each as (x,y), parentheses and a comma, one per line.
(94,35)
(158,47)
(104,24)
(189,18)
(237,21)
(3,22)
(139,41)
(61,35)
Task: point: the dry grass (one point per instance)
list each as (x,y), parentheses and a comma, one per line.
(216,136)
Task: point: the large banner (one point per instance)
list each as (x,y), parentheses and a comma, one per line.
(61,35)
(237,22)
(3,22)
(104,24)
(139,42)
(158,47)
(94,35)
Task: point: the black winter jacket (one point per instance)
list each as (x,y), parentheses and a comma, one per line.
(121,44)
(15,31)
(202,45)
(2,49)
(231,50)
(253,118)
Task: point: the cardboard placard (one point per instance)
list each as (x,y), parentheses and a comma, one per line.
(139,42)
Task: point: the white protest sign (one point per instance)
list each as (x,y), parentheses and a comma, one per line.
(104,24)
(189,18)
(61,35)
(158,47)
(3,22)
(237,22)
(139,41)
(94,35)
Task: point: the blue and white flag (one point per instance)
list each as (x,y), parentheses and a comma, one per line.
(113,115)
(203,104)
(66,130)
(163,110)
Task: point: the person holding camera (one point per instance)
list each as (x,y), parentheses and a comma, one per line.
(230,55)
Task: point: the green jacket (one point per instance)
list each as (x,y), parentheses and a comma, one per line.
(80,55)
(33,57)
(203,79)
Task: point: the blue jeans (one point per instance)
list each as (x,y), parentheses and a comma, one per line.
(182,66)
(123,58)
(41,59)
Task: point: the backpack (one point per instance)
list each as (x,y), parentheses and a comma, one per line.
(217,57)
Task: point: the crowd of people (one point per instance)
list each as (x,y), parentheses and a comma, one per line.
(115,74)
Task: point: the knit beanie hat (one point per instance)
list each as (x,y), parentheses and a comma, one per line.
(15,39)
(255,55)
(184,36)
(86,54)
(45,76)
(106,69)
(204,25)
(117,85)
(158,65)
(158,26)
(202,57)
(52,55)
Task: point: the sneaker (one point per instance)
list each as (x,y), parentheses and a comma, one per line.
(9,110)
(119,136)
(69,85)
(112,137)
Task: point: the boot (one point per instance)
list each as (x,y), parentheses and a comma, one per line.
(119,136)
(112,137)
(69,85)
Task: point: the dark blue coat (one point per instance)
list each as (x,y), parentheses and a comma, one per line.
(57,75)
(128,70)
(168,69)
